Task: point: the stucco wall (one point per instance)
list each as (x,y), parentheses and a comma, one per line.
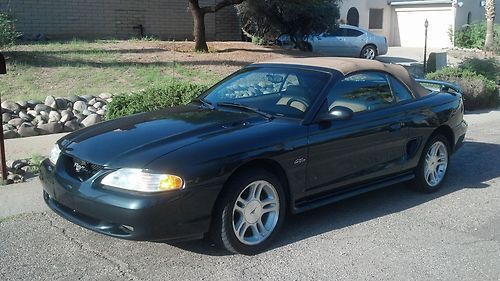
(477,12)
(364,7)
(116,19)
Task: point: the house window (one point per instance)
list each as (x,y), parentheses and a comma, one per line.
(353,17)
(469,18)
(376,19)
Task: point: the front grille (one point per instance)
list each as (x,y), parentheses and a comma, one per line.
(80,169)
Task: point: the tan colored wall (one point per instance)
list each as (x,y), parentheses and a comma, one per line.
(364,7)
(167,19)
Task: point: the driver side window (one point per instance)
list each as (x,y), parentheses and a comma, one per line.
(366,91)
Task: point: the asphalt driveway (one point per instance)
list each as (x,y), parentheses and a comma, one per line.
(389,234)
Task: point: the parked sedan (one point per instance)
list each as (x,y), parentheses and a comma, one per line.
(278,137)
(345,41)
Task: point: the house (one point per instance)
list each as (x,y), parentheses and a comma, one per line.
(120,19)
(402,21)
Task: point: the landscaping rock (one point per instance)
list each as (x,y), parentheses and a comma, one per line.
(50,101)
(71,125)
(86,112)
(6,117)
(92,109)
(87,97)
(105,96)
(98,104)
(42,107)
(33,113)
(11,106)
(7,127)
(23,104)
(61,103)
(27,130)
(80,106)
(101,112)
(10,134)
(80,117)
(33,103)
(25,116)
(66,115)
(50,128)
(54,116)
(91,120)
(74,99)
(92,101)
(16,122)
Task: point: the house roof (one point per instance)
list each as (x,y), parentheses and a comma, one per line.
(418,2)
(350,65)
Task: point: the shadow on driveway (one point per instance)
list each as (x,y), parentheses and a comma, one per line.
(472,166)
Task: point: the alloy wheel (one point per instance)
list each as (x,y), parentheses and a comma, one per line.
(436,163)
(256,212)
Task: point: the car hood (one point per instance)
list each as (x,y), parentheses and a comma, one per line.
(136,140)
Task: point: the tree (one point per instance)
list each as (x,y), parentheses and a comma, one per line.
(199,20)
(490,23)
(297,18)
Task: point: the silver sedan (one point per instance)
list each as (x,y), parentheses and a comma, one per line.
(345,41)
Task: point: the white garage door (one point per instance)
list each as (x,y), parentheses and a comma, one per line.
(409,30)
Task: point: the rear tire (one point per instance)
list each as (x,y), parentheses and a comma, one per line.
(250,213)
(369,52)
(433,165)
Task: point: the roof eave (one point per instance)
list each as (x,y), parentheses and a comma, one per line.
(421,2)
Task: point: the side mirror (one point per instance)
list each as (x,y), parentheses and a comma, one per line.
(337,113)
(3,67)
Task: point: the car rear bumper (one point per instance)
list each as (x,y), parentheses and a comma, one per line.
(460,132)
(172,216)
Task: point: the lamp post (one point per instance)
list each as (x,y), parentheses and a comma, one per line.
(3,166)
(426,24)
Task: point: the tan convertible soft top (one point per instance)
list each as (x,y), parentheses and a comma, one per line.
(349,65)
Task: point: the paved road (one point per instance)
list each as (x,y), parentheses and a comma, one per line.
(390,234)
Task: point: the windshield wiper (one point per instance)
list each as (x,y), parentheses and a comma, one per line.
(244,107)
(205,103)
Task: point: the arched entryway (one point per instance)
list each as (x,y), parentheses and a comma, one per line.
(353,17)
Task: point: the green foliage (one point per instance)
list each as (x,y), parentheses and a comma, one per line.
(258,41)
(298,18)
(474,35)
(34,163)
(154,98)
(489,68)
(8,34)
(478,91)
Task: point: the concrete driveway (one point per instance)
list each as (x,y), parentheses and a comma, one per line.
(390,234)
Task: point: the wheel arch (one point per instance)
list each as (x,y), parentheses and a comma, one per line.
(447,132)
(267,164)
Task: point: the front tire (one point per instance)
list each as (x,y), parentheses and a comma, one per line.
(369,52)
(433,165)
(250,213)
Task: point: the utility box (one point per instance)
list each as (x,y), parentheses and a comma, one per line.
(437,61)
(3,67)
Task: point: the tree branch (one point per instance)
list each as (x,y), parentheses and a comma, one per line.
(220,5)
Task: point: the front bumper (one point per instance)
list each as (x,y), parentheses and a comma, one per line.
(180,215)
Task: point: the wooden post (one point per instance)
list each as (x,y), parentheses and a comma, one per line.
(3,166)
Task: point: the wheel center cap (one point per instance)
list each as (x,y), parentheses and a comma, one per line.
(252,212)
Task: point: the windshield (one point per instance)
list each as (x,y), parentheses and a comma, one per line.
(286,92)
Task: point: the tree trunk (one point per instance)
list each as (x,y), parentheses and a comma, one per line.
(199,27)
(490,22)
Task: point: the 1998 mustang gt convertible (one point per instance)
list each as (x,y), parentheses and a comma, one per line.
(278,137)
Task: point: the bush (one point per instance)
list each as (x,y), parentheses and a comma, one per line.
(154,98)
(489,68)
(474,35)
(8,34)
(478,91)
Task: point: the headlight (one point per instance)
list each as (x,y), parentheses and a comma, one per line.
(54,154)
(139,180)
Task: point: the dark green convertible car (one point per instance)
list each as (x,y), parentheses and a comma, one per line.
(277,137)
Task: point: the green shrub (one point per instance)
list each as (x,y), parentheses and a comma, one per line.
(8,34)
(474,35)
(478,91)
(258,40)
(154,98)
(489,68)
